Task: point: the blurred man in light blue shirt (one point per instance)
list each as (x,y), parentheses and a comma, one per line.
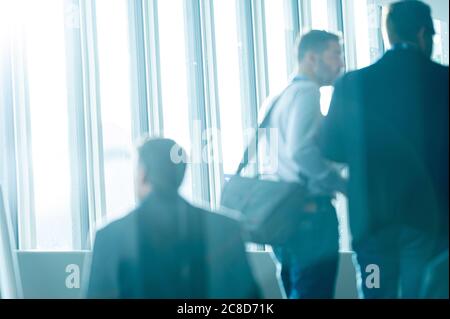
(310,260)
(297,117)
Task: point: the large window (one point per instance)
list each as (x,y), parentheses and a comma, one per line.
(83,78)
(47,88)
(227,50)
(115,100)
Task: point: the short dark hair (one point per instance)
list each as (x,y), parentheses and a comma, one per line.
(316,41)
(162,171)
(406,18)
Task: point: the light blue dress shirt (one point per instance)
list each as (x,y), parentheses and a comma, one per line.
(292,154)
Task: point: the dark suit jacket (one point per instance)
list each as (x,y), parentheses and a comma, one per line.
(167,248)
(389,122)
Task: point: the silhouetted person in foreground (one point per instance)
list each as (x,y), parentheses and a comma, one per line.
(389,122)
(167,248)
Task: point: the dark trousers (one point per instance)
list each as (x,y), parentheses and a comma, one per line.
(400,255)
(309,262)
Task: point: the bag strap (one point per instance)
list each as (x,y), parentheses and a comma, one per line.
(263,124)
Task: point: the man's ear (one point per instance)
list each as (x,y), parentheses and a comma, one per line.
(421,35)
(425,41)
(310,57)
(143,187)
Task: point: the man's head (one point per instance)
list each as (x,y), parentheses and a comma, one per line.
(319,55)
(157,170)
(410,22)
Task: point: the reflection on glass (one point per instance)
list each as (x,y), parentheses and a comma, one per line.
(276,31)
(114,66)
(45,55)
(226,35)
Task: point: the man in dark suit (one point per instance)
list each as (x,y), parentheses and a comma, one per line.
(167,248)
(389,123)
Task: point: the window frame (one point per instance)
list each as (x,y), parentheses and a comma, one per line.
(87,158)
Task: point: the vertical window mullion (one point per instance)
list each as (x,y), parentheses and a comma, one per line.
(139,103)
(196,98)
(212,111)
(291,9)
(248,73)
(8,158)
(260,49)
(25,193)
(152,67)
(94,137)
(77,129)
(333,9)
(304,7)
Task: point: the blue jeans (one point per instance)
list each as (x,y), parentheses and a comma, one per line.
(309,262)
(401,254)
